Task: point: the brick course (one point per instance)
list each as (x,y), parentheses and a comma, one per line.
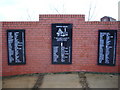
(38,45)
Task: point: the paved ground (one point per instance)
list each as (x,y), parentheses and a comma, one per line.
(74,80)
(102,81)
(61,81)
(20,82)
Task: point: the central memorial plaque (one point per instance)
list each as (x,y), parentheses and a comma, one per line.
(16,47)
(61,43)
(107,47)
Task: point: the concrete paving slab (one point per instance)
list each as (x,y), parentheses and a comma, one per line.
(102,81)
(61,81)
(20,82)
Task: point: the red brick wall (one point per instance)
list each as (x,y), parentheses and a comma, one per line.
(38,45)
(0,48)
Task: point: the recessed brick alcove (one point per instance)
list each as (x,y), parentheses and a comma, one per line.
(38,45)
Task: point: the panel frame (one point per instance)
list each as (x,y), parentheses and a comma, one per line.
(111,64)
(16,30)
(52,25)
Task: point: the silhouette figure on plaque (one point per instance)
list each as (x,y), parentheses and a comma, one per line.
(61,33)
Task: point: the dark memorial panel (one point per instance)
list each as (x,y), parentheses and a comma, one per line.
(61,43)
(107,47)
(16,47)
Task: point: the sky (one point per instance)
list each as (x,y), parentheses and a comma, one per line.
(29,10)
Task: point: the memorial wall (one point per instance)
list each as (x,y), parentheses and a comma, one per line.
(60,43)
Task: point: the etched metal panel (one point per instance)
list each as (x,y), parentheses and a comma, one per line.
(107,47)
(16,47)
(61,43)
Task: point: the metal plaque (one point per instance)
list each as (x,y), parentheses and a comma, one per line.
(16,47)
(107,47)
(61,43)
